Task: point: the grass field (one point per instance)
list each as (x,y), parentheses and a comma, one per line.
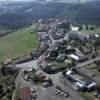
(17,43)
(97,30)
(88,96)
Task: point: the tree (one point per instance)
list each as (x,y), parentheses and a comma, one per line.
(3,71)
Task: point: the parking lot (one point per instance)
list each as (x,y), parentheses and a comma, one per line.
(51,93)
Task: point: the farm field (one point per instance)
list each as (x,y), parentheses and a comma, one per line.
(17,43)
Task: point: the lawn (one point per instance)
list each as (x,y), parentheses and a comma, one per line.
(88,96)
(17,43)
(93,69)
(97,30)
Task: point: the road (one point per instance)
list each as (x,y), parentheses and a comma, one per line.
(88,72)
(50,93)
(46,93)
(25,66)
(28,65)
(88,62)
(68,88)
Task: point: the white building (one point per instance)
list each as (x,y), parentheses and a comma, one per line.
(75,28)
(78,58)
(80,82)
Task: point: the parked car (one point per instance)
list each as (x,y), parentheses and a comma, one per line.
(57,91)
(58,88)
(34,96)
(66,94)
(61,92)
(46,84)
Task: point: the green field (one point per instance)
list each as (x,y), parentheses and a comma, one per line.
(17,43)
(88,96)
(96,30)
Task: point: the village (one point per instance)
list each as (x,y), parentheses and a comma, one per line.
(65,66)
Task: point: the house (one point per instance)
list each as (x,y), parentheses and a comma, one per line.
(44,37)
(61,57)
(43,47)
(51,55)
(41,76)
(80,82)
(52,51)
(83,37)
(40,34)
(93,36)
(44,65)
(43,28)
(85,50)
(76,35)
(84,85)
(35,54)
(6,62)
(72,35)
(23,59)
(97,35)
(25,93)
(74,28)
(57,37)
(70,50)
(58,42)
(40,21)
(11,69)
(78,58)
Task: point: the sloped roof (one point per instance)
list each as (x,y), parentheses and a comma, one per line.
(25,93)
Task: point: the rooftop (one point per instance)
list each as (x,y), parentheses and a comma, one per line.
(25,93)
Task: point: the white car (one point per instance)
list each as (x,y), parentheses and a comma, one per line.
(62,93)
(57,91)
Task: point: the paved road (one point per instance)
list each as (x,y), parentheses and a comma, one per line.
(19,81)
(95,78)
(28,65)
(13,95)
(25,66)
(50,93)
(88,62)
(90,74)
(68,88)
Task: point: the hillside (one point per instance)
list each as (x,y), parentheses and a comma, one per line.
(17,43)
(15,15)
